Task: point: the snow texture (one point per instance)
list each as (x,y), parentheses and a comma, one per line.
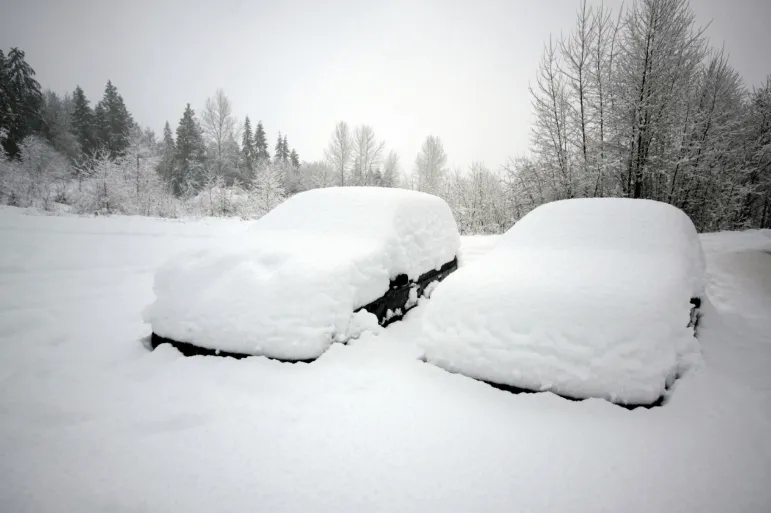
(287,288)
(91,421)
(586,297)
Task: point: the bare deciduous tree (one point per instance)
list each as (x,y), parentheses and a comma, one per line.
(577,50)
(660,49)
(367,152)
(340,150)
(550,133)
(218,122)
(430,165)
(219,126)
(391,170)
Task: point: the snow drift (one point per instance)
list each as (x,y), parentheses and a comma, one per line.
(585,297)
(289,286)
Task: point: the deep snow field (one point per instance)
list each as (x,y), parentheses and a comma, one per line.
(90,420)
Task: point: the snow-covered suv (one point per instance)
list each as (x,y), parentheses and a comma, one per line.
(321,267)
(584,297)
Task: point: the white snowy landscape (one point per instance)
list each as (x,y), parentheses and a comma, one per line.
(92,420)
(397,257)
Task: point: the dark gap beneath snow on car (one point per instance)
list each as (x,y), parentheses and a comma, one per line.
(518,390)
(395,299)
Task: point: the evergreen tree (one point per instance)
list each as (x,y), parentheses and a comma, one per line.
(279,149)
(168,153)
(117,122)
(5,101)
(261,144)
(20,101)
(190,152)
(294,158)
(247,148)
(101,129)
(284,150)
(55,115)
(82,123)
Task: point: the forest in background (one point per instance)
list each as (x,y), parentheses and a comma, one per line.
(635,103)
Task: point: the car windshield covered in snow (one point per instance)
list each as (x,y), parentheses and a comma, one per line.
(293,282)
(586,298)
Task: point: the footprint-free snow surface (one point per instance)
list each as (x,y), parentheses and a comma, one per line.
(90,420)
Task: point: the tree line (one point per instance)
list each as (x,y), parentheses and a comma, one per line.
(60,150)
(638,104)
(634,103)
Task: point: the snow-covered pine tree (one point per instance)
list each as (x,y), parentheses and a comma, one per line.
(168,152)
(82,123)
(247,149)
(190,153)
(261,144)
(100,129)
(5,103)
(114,121)
(20,100)
(55,114)
(284,150)
(278,149)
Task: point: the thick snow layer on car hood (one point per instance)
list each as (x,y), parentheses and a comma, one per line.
(288,287)
(572,301)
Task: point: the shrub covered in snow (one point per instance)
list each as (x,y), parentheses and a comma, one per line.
(37,179)
(587,298)
(288,287)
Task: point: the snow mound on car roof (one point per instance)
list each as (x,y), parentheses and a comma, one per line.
(288,286)
(586,298)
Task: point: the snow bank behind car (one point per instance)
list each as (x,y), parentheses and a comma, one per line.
(585,297)
(289,286)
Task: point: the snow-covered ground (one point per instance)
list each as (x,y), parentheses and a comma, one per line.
(92,421)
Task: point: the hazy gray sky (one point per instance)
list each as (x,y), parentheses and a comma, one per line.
(459,70)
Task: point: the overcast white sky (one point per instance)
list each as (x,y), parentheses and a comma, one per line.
(459,70)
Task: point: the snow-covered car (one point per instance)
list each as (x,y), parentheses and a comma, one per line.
(583,297)
(321,267)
